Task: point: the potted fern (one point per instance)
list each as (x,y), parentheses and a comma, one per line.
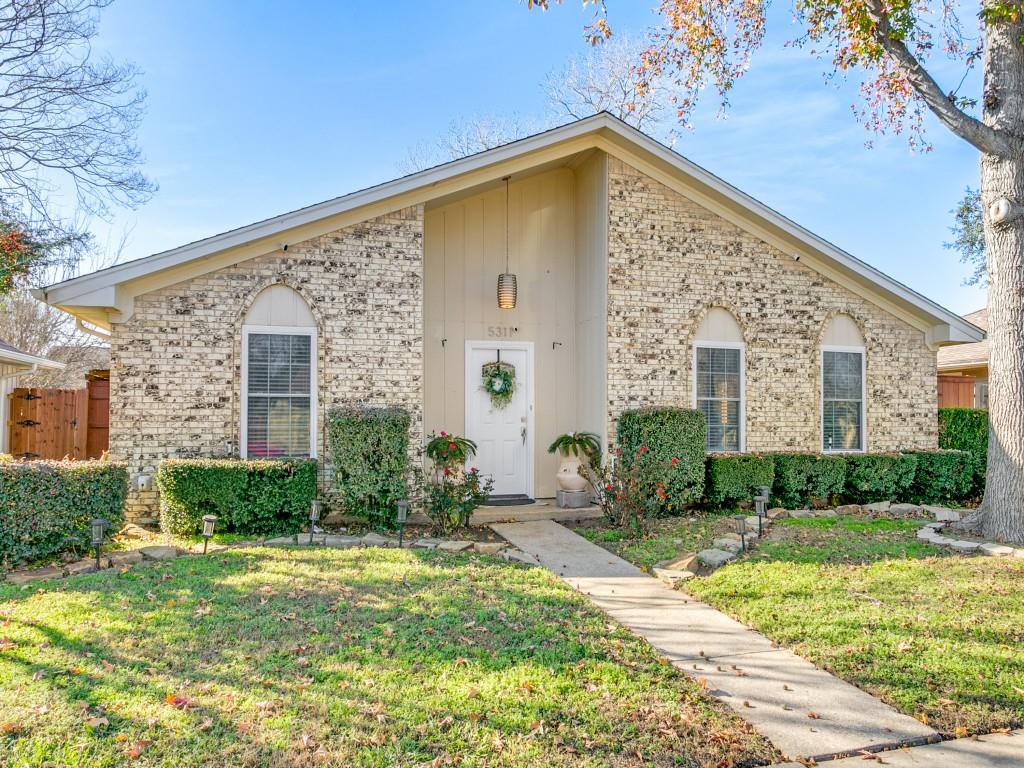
(577,449)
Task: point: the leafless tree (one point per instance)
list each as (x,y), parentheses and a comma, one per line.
(601,79)
(604,80)
(66,115)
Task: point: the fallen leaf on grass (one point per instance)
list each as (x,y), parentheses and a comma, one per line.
(205,724)
(136,749)
(11,729)
(177,701)
(97,721)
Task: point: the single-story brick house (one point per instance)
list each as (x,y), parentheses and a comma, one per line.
(642,279)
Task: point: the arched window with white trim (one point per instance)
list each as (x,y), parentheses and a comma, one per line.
(279,399)
(719,379)
(843,387)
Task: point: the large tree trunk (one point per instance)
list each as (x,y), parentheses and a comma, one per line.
(1002,195)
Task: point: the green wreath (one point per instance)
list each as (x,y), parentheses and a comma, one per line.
(499,382)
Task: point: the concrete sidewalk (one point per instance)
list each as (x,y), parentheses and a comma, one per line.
(997,750)
(804,711)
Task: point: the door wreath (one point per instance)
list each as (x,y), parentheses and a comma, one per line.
(499,382)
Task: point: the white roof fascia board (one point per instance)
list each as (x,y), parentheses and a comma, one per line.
(23,358)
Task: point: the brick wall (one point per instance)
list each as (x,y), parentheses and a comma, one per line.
(670,260)
(176,364)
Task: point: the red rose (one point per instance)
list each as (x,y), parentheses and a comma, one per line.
(675,461)
(451,446)
(444,434)
(643,449)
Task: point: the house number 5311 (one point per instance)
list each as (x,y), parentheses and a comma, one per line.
(501,331)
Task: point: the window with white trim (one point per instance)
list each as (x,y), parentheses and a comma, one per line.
(842,399)
(278,405)
(718,372)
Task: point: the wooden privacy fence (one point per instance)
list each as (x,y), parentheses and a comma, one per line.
(60,423)
(956,392)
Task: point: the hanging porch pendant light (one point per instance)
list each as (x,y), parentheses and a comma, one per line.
(507,288)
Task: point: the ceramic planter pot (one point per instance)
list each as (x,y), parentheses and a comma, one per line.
(569,477)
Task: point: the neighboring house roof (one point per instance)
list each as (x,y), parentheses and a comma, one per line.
(967,355)
(13,360)
(108,295)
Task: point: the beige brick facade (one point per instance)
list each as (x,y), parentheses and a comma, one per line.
(176,368)
(671,259)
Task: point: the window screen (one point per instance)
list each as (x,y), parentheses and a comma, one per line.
(842,399)
(278,395)
(718,395)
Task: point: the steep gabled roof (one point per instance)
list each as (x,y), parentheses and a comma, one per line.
(108,295)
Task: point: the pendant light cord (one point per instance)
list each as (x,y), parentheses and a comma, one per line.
(506,222)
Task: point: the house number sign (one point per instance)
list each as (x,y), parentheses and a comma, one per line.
(501,331)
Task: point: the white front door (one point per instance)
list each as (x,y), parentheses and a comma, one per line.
(504,436)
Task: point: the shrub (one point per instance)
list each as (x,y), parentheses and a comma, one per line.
(736,477)
(254,498)
(370,450)
(942,476)
(452,496)
(46,506)
(654,437)
(801,478)
(966,429)
(878,477)
(625,494)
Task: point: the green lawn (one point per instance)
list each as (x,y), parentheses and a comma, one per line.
(665,539)
(940,637)
(271,657)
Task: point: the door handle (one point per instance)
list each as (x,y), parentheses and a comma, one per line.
(523,433)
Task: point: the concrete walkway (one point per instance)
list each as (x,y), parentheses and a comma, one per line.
(803,711)
(997,750)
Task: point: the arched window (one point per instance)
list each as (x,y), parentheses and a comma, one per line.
(719,379)
(279,376)
(843,377)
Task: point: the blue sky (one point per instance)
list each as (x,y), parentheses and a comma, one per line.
(258,108)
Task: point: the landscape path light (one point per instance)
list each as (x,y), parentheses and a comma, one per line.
(401,516)
(98,527)
(209,521)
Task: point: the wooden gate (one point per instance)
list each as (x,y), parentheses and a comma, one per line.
(956,391)
(60,423)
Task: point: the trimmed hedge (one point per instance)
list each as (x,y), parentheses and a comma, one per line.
(942,476)
(46,506)
(736,477)
(878,477)
(251,497)
(370,450)
(659,435)
(803,478)
(966,429)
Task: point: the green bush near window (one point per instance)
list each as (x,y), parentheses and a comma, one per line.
(46,506)
(736,477)
(370,450)
(878,477)
(942,477)
(802,479)
(254,497)
(966,429)
(654,437)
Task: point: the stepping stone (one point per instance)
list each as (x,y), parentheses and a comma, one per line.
(281,541)
(673,575)
(713,558)
(488,547)
(965,546)
(942,541)
(117,559)
(80,566)
(992,549)
(926,533)
(159,553)
(848,509)
(685,563)
(877,507)
(801,514)
(1018,553)
(827,513)
(777,512)
(341,542)
(942,514)
(133,531)
(752,521)
(454,546)
(518,556)
(376,540)
(904,510)
(426,543)
(24,577)
(730,545)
